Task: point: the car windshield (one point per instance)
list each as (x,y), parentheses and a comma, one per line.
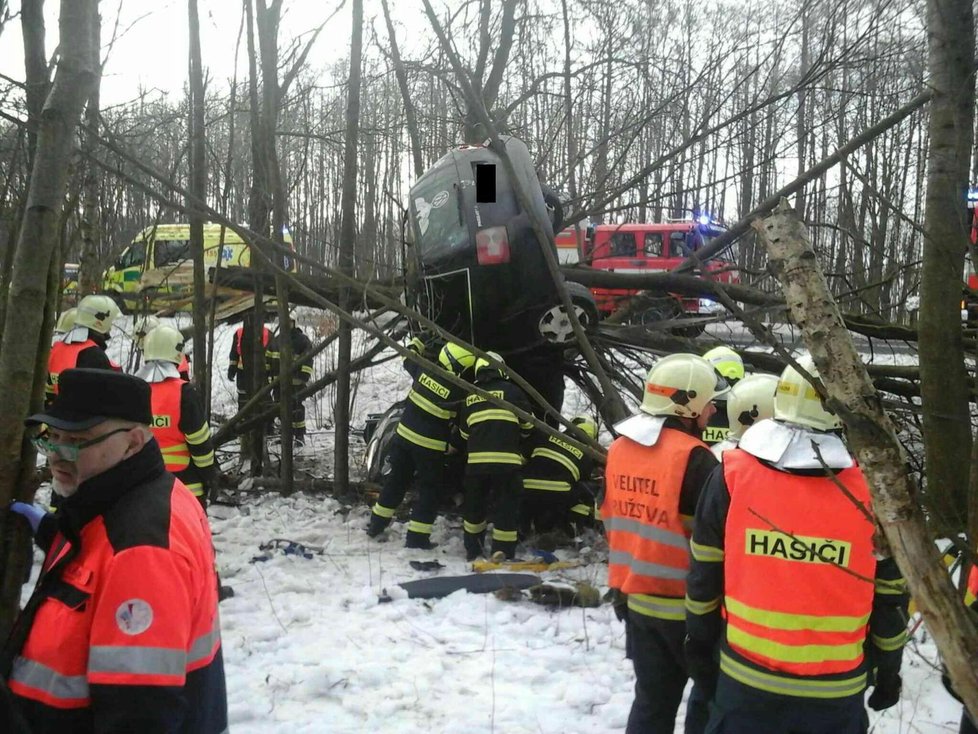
(435,215)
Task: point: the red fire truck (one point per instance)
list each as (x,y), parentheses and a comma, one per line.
(651,248)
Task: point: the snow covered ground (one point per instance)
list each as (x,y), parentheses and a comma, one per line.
(309,648)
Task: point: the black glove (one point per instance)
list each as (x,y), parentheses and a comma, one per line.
(702,666)
(232,371)
(886,693)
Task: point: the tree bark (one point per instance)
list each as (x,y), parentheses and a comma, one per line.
(198,186)
(38,238)
(347,248)
(89,275)
(947,424)
(850,394)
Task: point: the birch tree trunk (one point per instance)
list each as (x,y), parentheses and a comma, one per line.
(198,186)
(871,435)
(36,243)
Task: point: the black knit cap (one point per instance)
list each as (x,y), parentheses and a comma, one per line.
(87,397)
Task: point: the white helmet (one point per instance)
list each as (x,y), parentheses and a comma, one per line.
(797,402)
(66,321)
(727,362)
(749,401)
(163,344)
(97,313)
(143,327)
(681,385)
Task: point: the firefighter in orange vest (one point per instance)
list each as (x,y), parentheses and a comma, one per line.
(418,449)
(653,477)
(300,373)
(971,600)
(749,401)
(84,345)
(66,322)
(239,363)
(179,422)
(791,613)
(121,633)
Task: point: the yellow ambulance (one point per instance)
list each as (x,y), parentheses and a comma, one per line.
(156,271)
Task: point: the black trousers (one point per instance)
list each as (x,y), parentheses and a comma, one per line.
(967,727)
(501,488)
(740,709)
(298,412)
(407,462)
(655,647)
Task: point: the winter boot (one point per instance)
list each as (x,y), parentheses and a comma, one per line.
(506,547)
(415,539)
(474,545)
(377,525)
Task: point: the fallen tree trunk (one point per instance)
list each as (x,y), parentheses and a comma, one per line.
(872,436)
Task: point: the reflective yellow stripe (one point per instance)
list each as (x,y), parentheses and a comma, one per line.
(505,536)
(890,586)
(195,488)
(307,368)
(429,407)
(702,607)
(386,512)
(273,355)
(888,644)
(706,553)
(203,460)
(492,414)
(176,457)
(495,457)
(790,686)
(562,459)
(969,598)
(420,527)
(199,436)
(473,528)
(546,485)
(419,440)
(661,607)
(793,653)
(581,509)
(795,622)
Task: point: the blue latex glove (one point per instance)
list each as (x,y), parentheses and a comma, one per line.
(32,513)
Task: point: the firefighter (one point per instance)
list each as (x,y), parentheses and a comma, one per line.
(239,363)
(493,435)
(84,345)
(66,322)
(730,367)
(971,600)
(790,612)
(146,325)
(179,421)
(749,401)
(300,374)
(554,495)
(122,632)
(653,477)
(418,449)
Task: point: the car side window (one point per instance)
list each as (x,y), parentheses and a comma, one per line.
(170,252)
(623,244)
(133,256)
(653,244)
(677,244)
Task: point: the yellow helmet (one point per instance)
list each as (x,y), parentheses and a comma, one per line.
(66,321)
(727,362)
(749,401)
(97,313)
(797,402)
(163,344)
(484,366)
(587,425)
(143,327)
(456,359)
(681,385)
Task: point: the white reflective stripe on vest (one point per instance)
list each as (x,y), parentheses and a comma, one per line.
(204,645)
(647,532)
(38,676)
(644,568)
(139,660)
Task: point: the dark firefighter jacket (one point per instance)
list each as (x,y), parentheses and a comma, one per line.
(300,345)
(183,433)
(781,650)
(122,633)
(431,406)
(493,433)
(89,353)
(239,364)
(555,465)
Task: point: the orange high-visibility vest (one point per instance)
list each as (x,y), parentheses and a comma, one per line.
(971,595)
(239,335)
(798,567)
(648,540)
(63,357)
(165,399)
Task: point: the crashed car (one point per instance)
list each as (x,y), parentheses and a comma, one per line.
(475,266)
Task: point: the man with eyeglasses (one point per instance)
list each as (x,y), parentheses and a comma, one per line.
(122,630)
